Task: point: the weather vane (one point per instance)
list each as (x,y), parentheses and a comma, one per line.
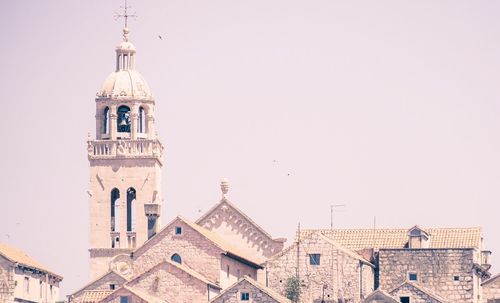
(125,14)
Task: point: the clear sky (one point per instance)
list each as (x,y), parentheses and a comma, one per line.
(389,107)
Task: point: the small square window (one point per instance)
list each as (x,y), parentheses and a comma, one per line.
(404,299)
(123,299)
(314,259)
(456,278)
(245,296)
(178,230)
(112,286)
(412,276)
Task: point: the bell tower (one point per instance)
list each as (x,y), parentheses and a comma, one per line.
(125,160)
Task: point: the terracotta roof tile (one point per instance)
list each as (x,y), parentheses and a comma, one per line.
(357,239)
(93,296)
(16,255)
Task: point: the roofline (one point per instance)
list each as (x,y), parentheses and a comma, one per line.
(224,199)
(423,249)
(491,279)
(48,272)
(243,260)
(421,288)
(181,267)
(251,281)
(97,279)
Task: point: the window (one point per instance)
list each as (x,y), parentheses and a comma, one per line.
(115,195)
(412,276)
(123,120)
(112,286)
(123,299)
(178,230)
(176,258)
(105,121)
(245,296)
(404,299)
(27,284)
(142,120)
(227,271)
(456,278)
(130,209)
(314,259)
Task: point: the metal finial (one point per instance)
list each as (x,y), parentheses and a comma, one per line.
(125,14)
(224,187)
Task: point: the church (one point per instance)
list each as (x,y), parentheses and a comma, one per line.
(224,256)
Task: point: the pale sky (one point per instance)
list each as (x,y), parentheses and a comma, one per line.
(389,107)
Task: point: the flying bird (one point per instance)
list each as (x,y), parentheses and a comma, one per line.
(159,36)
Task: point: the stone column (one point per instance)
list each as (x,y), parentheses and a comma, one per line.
(112,122)
(133,123)
(150,120)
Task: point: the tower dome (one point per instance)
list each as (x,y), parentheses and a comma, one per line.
(125,82)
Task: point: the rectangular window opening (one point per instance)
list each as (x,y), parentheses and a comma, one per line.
(404,299)
(412,276)
(456,278)
(314,259)
(123,299)
(245,296)
(178,230)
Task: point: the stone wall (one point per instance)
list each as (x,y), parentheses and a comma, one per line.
(7,283)
(233,295)
(236,271)
(228,222)
(196,251)
(173,284)
(491,290)
(416,295)
(100,284)
(436,270)
(339,273)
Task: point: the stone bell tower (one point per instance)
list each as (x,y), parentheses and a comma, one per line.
(125,158)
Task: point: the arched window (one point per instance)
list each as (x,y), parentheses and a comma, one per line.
(115,195)
(130,209)
(176,258)
(142,120)
(123,120)
(105,121)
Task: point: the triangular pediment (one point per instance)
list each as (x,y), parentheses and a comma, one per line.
(416,290)
(379,296)
(227,220)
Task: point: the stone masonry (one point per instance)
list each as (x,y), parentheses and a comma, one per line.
(341,272)
(447,272)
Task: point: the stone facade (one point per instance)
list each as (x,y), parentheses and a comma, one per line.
(22,279)
(447,272)
(7,283)
(195,249)
(109,281)
(226,220)
(416,294)
(256,292)
(173,283)
(491,290)
(341,272)
(125,164)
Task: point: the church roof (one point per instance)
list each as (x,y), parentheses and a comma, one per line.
(270,292)
(225,201)
(230,249)
(14,254)
(357,239)
(182,267)
(103,276)
(125,84)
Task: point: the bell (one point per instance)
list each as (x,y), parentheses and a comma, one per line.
(123,123)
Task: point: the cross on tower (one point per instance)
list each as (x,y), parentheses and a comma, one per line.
(125,14)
